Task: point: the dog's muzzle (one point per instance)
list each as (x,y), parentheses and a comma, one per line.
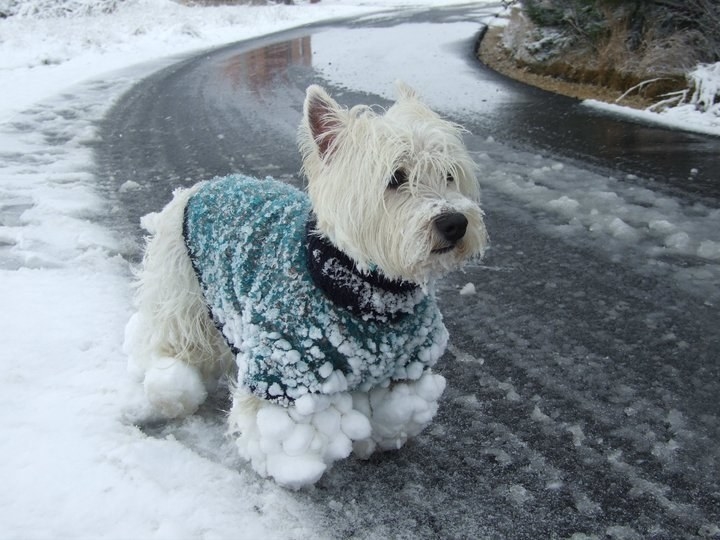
(452,227)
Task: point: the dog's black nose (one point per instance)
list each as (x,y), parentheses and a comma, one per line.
(451,226)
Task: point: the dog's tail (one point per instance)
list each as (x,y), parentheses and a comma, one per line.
(172,318)
(149,222)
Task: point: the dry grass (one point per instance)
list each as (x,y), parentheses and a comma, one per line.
(495,55)
(605,68)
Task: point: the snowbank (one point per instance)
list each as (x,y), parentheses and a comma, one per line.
(48,9)
(76,48)
(705,83)
(683,117)
(695,109)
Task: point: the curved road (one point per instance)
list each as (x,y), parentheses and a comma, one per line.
(583,374)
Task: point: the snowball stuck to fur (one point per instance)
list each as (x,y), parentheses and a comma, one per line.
(299,439)
(327,421)
(402,411)
(430,387)
(174,388)
(356,425)
(295,445)
(339,447)
(274,423)
(295,472)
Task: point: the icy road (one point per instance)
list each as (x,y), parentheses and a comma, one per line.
(583,372)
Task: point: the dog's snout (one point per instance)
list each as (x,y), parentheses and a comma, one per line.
(451,226)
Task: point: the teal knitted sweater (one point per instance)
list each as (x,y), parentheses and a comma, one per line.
(296,312)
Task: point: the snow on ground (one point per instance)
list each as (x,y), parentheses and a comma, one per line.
(622,217)
(72,462)
(686,117)
(696,108)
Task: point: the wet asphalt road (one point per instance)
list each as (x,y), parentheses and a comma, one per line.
(582,392)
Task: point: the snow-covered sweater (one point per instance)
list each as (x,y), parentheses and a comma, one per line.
(294,309)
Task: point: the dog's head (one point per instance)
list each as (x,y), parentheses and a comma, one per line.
(394,191)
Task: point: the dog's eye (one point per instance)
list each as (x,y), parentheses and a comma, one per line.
(449,178)
(399,177)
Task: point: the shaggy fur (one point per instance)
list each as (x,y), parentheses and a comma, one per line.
(392,229)
(395,195)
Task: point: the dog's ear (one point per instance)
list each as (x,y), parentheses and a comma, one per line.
(322,114)
(404,91)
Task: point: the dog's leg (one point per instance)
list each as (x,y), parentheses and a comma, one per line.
(296,444)
(171,341)
(398,412)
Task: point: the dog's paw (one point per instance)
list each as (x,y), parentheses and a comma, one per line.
(173,388)
(295,472)
(399,412)
(296,445)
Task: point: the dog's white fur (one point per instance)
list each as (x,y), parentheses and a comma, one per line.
(348,157)
(171,341)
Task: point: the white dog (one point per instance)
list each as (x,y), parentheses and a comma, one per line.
(323,302)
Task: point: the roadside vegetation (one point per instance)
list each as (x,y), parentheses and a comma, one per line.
(667,51)
(54,8)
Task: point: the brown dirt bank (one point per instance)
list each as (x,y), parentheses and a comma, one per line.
(492,53)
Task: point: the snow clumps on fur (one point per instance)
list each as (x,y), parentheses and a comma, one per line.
(296,445)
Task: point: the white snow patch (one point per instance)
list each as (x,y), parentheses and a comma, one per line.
(129,185)
(709,249)
(705,79)
(577,435)
(586,506)
(622,532)
(683,117)
(696,108)
(388,60)
(564,205)
(500,456)
(709,531)
(467,289)
(510,393)
(665,451)
(539,416)
(515,494)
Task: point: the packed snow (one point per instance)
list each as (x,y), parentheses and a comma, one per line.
(74,464)
(296,445)
(697,108)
